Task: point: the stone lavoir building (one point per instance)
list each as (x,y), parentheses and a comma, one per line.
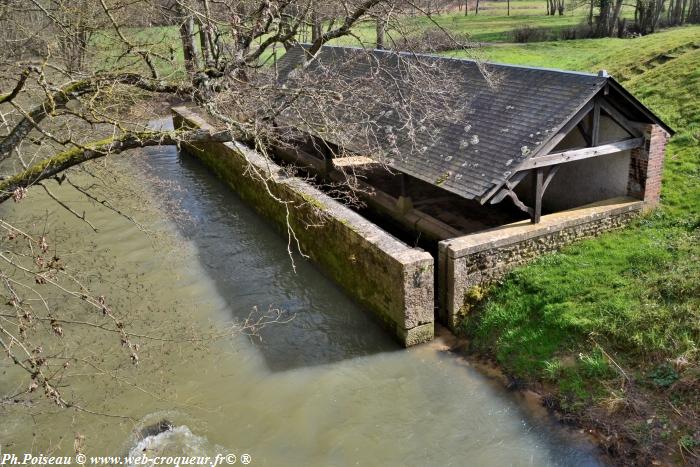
(540,159)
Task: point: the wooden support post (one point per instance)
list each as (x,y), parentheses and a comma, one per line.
(404,185)
(328,158)
(538,191)
(595,128)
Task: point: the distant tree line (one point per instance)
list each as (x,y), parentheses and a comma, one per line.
(649,15)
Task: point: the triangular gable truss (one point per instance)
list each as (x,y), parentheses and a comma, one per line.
(544,164)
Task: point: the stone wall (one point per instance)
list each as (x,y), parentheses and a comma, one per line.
(390,279)
(646,166)
(468,263)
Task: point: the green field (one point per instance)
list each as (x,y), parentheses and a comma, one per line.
(481,28)
(629,298)
(490,25)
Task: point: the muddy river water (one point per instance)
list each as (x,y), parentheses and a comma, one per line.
(327,388)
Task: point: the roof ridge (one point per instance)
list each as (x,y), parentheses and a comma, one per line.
(460,59)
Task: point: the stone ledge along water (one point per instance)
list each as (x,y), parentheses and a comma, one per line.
(389,278)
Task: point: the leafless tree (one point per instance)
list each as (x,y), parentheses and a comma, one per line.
(86,71)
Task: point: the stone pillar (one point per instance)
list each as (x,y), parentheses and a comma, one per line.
(646,166)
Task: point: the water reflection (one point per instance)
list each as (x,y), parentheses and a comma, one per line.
(247,260)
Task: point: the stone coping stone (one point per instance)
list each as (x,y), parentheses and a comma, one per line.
(524,230)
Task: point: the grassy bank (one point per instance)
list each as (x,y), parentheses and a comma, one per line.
(611,327)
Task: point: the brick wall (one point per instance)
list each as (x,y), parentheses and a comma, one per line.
(646,166)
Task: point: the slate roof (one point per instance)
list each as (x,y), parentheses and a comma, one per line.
(499,128)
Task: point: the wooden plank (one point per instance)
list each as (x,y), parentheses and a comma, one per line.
(583,153)
(550,175)
(352,161)
(620,119)
(595,130)
(510,184)
(538,192)
(566,129)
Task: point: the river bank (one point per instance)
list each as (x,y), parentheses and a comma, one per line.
(638,412)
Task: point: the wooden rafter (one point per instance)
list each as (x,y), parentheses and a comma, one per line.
(566,129)
(595,128)
(542,177)
(519,203)
(619,119)
(550,175)
(510,185)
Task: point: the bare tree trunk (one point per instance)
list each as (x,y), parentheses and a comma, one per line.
(659,7)
(603,19)
(316,27)
(381,27)
(189,50)
(677,13)
(693,12)
(204,43)
(615,16)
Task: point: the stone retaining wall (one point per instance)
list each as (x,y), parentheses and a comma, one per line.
(471,262)
(392,280)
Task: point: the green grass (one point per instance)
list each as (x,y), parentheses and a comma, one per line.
(633,294)
(481,28)
(490,25)
(107,51)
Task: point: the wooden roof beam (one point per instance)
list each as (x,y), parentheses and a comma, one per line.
(353,161)
(620,119)
(580,154)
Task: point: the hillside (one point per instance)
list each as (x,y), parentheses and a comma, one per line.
(610,328)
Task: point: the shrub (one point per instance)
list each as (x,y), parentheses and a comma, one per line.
(526,33)
(431,40)
(580,31)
